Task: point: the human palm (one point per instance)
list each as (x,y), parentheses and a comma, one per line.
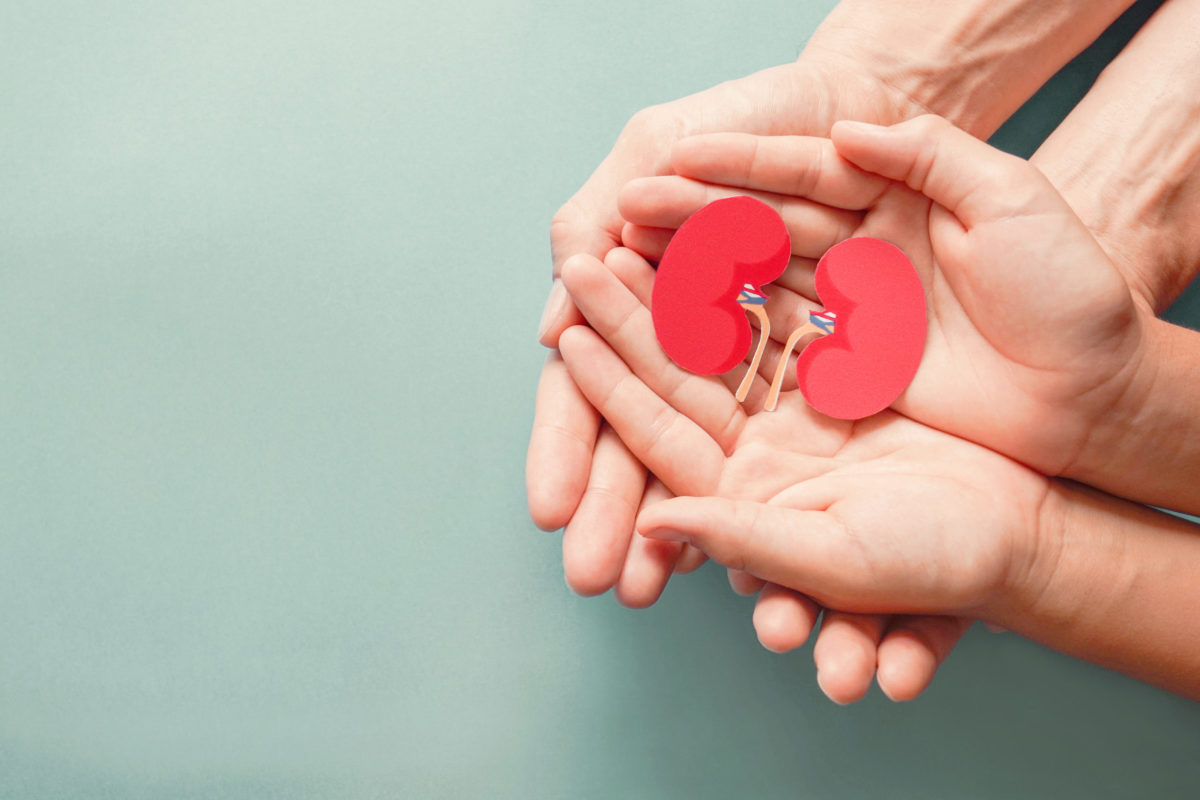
(578,473)
(916,521)
(1013,360)
(933,523)
(805,97)
(1033,334)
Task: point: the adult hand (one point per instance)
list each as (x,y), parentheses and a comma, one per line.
(804,97)
(584,479)
(852,68)
(1124,159)
(1033,333)
(786,166)
(1037,346)
(705,443)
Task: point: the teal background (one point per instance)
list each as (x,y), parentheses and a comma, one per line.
(269,280)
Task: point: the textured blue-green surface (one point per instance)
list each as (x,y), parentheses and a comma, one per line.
(269,277)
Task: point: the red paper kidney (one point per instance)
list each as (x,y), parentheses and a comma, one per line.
(877,343)
(728,243)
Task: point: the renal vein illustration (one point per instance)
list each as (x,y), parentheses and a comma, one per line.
(868,340)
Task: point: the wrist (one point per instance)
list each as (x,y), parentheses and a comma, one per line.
(1058,579)
(920,67)
(1129,410)
(973,63)
(1033,560)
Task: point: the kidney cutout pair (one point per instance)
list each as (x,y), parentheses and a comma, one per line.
(871,332)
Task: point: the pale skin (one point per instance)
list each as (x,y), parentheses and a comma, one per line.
(885,514)
(1140,211)
(1142,218)
(994,215)
(1083,381)
(905,519)
(840,75)
(1036,346)
(1126,159)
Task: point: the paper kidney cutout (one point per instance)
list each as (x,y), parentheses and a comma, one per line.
(726,244)
(876,346)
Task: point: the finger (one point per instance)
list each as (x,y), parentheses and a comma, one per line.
(689,560)
(788,310)
(666,201)
(809,551)
(791,301)
(574,229)
(973,180)
(799,278)
(672,446)
(638,277)
(633,271)
(744,583)
(615,313)
(845,654)
(802,166)
(912,650)
(650,243)
(558,314)
(577,227)
(560,447)
(649,563)
(597,537)
(783,619)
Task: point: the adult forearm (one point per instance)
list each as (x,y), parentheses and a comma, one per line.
(1148,447)
(1127,158)
(1113,583)
(972,61)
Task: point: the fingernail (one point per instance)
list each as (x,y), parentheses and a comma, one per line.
(666,534)
(554,307)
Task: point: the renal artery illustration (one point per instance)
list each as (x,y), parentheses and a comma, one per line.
(869,338)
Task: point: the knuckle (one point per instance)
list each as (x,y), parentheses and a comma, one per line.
(811,175)
(647,119)
(562,223)
(929,124)
(923,164)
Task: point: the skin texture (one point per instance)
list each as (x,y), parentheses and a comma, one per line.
(905,518)
(853,68)
(886,514)
(1049,360)
(1034,336)
(1000,333)
(1126,159)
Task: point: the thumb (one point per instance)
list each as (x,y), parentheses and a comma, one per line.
(970,178)
(808,551)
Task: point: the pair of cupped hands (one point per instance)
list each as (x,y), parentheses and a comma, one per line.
(904,526)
